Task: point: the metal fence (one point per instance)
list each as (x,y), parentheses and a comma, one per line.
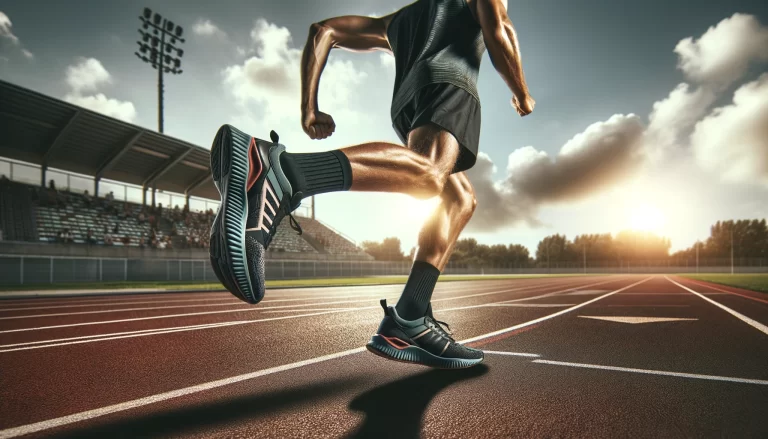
(30,270)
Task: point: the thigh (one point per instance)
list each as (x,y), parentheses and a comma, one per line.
(437,144)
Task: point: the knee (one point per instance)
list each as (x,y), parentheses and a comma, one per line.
(433,182)
(467,202)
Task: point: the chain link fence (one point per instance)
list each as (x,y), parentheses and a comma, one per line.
(30,270)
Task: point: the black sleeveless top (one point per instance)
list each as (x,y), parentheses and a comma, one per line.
(434,41)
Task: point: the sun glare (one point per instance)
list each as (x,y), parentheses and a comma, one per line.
(646,218)
(419,210)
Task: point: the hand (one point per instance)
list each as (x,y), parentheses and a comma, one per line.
(317,125)
(525,107)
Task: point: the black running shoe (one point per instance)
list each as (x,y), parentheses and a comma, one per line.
(255,197)
(421,341)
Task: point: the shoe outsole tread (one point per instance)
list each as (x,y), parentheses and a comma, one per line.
(230,167)
(417,355)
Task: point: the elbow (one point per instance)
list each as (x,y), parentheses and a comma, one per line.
(320,30)
(503,35)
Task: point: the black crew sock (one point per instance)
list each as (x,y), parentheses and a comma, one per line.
(317,172)
(414,301)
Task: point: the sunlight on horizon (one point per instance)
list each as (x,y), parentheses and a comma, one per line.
(646,218)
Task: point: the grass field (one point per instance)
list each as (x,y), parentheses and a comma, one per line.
(754,282)
(174,286)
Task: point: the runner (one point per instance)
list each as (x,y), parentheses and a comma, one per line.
(438,46)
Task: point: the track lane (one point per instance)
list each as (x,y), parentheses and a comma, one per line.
(202,355)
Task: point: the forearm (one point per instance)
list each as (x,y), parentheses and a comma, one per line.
(504,50)
(313,59)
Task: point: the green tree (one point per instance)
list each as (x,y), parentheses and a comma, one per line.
(387,250)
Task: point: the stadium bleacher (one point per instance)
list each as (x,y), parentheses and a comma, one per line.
(32,213)
(76,213)
(57,136)
(16,213)
(331,241)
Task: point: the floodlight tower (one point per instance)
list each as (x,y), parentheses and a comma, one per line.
(155,50)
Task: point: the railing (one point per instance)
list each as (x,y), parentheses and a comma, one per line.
(26,270)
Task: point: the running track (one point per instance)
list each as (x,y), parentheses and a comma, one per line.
(558,363)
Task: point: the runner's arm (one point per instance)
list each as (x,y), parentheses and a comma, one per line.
(351,32)
(501,42)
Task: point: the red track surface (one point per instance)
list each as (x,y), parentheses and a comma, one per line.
(208,365)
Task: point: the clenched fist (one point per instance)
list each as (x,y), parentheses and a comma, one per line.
(523,106)
(317,125)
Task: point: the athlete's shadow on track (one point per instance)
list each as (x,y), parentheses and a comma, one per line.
(224,412)
(396,409)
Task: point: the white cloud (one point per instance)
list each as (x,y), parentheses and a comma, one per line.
(733,140)
(5,29)
(100,103)
(8,37)
(605,154)
(268,84)
(724,52)
(672,119)
(88,75)
(208,29)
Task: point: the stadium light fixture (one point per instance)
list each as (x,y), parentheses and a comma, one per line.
(160,46)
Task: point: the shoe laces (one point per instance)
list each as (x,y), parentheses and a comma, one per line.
(445,333)
(295,224)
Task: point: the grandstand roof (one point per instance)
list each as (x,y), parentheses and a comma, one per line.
(46,131)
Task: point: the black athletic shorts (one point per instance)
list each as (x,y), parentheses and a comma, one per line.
(452,108)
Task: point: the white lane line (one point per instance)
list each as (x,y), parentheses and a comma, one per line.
(648,306)
(726,291)
(147,333)
(655,372)
(559,313)
(636,320)
(307,310)
(146,308)
(107,298)
(656,294)
(90,414)
(524,298)
(234,301)
(755,324)
(256,309)
(85,337)
(152,308)
(587,293)
(157,331)
(105,304)
(512,354)
(532,305)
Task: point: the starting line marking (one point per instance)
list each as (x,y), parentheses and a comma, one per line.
(655,372)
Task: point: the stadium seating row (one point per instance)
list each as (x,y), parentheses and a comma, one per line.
(31,213)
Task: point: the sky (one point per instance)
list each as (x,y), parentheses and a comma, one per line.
(649,115)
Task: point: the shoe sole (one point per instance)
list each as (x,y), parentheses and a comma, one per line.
(230,167)
(417,355)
